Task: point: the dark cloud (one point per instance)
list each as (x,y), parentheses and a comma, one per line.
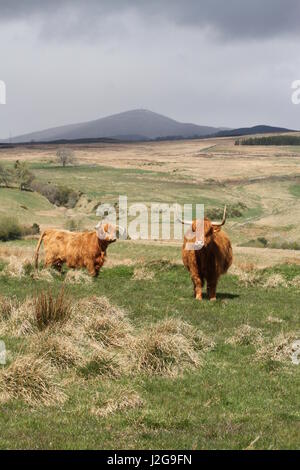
(219,63)
(230,19)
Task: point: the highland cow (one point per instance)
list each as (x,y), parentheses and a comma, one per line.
(77,250)
(211,256)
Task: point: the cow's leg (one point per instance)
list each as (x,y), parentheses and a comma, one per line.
(90,265)
(197,280)
(212,289)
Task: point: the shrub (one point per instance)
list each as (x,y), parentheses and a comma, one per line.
(31,230)
(10,229)
(58,195)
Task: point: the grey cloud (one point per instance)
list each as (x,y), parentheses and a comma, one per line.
(231,19)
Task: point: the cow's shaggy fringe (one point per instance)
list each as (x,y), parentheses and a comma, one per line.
(61,351)
(123,399)
(164,348)
(245,335)
(51,309)
(21,321)
(30,379)
(279,349)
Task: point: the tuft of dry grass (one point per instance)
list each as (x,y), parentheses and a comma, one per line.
(32,380)
(77,277)
(275,280)
(295,282)
(42,275)
(103,323)
(271,319)
(162,349)
(15,267)
(58,349)
(6,307)
(279,349)
(98,305)
(248,275)
(108,331)
(51,309)
(245,335)
(21,321)
(103,362)
(123,399)
(142,274)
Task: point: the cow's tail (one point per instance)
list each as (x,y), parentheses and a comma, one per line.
(36,254)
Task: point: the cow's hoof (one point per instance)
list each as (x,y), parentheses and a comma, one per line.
(213,299)
(198,297)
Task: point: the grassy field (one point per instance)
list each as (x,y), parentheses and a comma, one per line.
(213,375)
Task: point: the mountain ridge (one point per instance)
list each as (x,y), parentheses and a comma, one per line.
(139,124)
(134,126)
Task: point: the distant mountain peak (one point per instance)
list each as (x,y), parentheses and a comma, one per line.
(134,124)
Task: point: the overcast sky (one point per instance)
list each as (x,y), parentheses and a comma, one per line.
(214,62)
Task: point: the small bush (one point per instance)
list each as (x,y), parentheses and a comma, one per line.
(31,230)
(10,229)
(233,210)
(58,195)
(50,310)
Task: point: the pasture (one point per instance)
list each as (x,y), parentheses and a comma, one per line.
(137,362)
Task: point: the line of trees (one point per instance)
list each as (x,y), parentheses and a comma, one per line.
(270,140)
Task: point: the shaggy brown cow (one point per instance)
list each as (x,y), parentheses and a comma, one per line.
(211,256)
(77,250)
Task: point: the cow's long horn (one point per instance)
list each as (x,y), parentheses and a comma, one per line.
(219,224)
(184,222)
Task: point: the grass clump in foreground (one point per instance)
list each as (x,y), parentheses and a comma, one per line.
(143,365)
(50,309)
(32,380)
(167,347)
(97,341)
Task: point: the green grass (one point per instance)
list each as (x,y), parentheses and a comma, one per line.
(295,190)
(225,404)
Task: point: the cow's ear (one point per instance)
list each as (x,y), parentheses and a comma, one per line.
(216,228)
